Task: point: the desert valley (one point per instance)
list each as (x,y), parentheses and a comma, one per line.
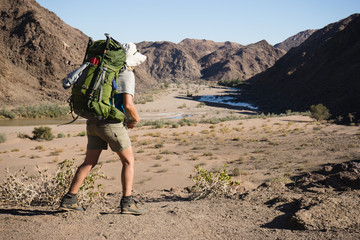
(221,107)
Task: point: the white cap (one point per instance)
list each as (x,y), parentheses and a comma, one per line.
(133,57)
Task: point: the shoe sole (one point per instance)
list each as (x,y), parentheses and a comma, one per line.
(133,213)
(72,209)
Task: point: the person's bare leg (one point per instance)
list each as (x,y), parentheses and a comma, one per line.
(91,159)
(127,172)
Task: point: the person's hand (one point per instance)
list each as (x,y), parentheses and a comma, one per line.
(131,123)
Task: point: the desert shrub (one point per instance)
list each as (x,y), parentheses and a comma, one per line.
(7,113)
(45,189)
(159,124)
(43,133)
(175,125)
(212,184)
(40,148)
(211,120)
(219,120)
(159,145)
(231,82)
(144,98)
(23,135)
(81,134)
(201,104)
(319,112)
(182,106)
(45,110)
(2,137)
(187,122)
(61,135)
(155,123)
(236,172)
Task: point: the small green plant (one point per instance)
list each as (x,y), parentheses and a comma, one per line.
(81,134)
(22,135)
(201,104)
(182,106)
(56,152)
(45,189)
(61,135)
(40,147)
(43,133)
(209,184)
(2,137)
(159,145)
(319,112)
(236,172)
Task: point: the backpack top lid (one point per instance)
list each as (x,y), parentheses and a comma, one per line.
(133,56)
(114,57)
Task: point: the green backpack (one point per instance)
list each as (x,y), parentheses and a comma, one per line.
(95,86)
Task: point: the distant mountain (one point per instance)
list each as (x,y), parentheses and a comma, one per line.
(324,69)
(168,61)
(38,49)
(239,62)
(294,40)
(199,48)
(194,59)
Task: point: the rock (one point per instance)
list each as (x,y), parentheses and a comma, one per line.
(342,212)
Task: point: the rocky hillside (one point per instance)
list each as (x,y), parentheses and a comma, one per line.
(199,48)
(194,59)
(294,40)
(241,62)
(38,50)
(324,69)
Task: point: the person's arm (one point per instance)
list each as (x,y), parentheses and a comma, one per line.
(130,111)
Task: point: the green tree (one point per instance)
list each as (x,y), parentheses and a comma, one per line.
(319,112)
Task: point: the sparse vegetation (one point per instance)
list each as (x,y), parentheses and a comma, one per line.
(319,112)
(22,135)
(2,137)
(61,135)
(36,111)
(231,83)
(43,133)
(6,113)
(40,147)
(182,106)
(45,189)
(81,134)
(209,183)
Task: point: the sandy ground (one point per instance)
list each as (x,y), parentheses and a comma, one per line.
(255,151)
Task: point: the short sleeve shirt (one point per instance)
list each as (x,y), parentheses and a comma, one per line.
(126,82)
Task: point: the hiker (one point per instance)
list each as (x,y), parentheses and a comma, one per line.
(103,133)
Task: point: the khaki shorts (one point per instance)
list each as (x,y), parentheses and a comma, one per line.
(101,134)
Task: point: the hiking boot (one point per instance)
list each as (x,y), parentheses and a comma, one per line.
(129,206)
(69,202)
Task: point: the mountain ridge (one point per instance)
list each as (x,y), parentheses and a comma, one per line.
(39,49)
(323,69)
(295,40)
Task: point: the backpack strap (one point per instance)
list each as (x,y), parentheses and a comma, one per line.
(102,81)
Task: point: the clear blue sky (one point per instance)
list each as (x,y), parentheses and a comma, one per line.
(241,21)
